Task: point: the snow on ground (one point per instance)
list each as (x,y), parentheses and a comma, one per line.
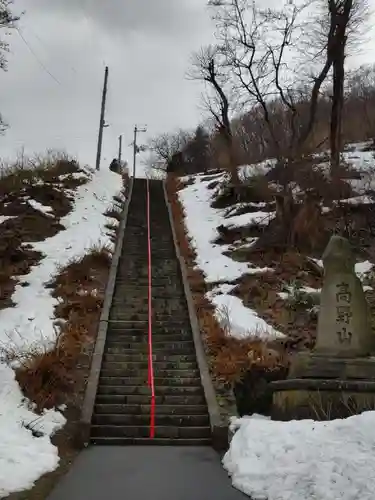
(256,218)
(303,460)
(363,268)
(24,458)
(241,321)
(30,321)
(41,208)
(201,222)
(306,460)
(359,200)
(3,218)
(247,171)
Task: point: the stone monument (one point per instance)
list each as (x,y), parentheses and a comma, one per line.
(337,378)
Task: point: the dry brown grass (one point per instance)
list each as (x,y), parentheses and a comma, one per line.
(53,375)
(114,211)
(57,374)
(46,168)
(229,358)
(47,376)
(37,178)
(255,189)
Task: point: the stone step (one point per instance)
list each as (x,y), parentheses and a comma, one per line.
(131,264)
(159,267)
(117,313)
(182,348)
(116,383)
(158,321)
(117,393)
(137,235)
(117,342)
(174,420)
(137,300)
(126,357)
(156,293)
(139,328)
(121,337)
(166,283)
(133,257)
(108,441)
(141,271)
(177,364)
(144,431)
(140,254)
(118,339)
(140,244)
(161,277)
(140,263)
(137,372)
(126,310)
(130,306)
(160,399)
(145,408)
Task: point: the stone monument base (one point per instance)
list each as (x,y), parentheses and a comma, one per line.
(316,365)
(320,399)
(322,387)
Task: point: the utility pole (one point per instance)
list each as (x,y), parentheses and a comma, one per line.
(135,147)
(119,148)
(102,119)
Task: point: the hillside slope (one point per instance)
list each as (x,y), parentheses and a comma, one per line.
(51,216)
(260,276)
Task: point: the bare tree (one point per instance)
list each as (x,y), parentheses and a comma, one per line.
(360,99)
(345,16)
(154,168)
(207,66)
(165,146)
(7,21)
(260,45)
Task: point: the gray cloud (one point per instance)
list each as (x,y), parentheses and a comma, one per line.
(146,44)
(167,18)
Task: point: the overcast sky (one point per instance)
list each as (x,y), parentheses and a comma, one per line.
(145,43)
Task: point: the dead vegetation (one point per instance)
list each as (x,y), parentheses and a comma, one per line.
(305,207)
(229,358)
(308,210)
(55,374)
(34,194)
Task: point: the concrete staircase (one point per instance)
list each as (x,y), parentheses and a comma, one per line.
(122,405)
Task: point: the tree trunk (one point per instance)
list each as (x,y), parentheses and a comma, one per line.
(337,108)
(340,18)
(228,141)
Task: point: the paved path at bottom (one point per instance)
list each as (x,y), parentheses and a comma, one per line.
(146,473)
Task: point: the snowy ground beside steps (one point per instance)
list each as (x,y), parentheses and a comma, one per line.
(23,457)
(269,460)
(303,460)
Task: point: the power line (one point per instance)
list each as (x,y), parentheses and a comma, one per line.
(36,57)
(42,42)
